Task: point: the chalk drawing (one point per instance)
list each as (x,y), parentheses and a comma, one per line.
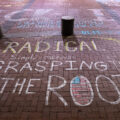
(110,2)
(94,45)
(54,57)
(18,84)
(27,46)
(83,45)
(80,88)
(19,0)
(37,14)
(101,66)
(68,48)
(53,89)
(40,12)
(58,46)
(88,32)
(1,11)
(115,64)
(56,24)
(11,66)
(54,64)
(5,83)
(81,91)
(1,62)
(43,68)
(71,65)
(114,85)
(37,48)
(23,58)
(118,75)
(31,85)
(100,16)
(86,64)
(11,46)
(26,66)
(8,17)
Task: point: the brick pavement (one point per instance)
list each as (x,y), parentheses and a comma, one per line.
(46,76)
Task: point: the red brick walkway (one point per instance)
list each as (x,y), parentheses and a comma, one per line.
(46,76)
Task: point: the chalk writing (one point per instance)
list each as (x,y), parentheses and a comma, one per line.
(100,16)
(41,66)
(57,24)
(80,88)
(53,89)
(81,91)
(110,2)
(39,49)
(114,85)
(40,12)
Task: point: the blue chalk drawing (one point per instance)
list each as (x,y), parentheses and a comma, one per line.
(106,1)
(94,32)
(57,24)
(76,80)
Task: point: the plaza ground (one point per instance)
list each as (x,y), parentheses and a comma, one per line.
(47,76)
